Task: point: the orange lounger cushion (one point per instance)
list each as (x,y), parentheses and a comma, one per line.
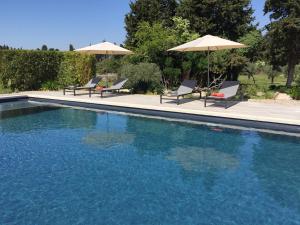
(221,95)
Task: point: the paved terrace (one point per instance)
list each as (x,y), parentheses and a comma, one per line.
(286,112)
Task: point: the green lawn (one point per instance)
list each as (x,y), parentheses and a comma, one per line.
(262,79)
(263,88)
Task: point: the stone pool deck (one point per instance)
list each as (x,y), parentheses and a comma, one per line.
(282,111)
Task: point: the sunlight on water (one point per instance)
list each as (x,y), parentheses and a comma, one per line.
(69,166)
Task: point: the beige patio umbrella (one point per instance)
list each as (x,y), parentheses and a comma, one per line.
(207,43)
(105,48)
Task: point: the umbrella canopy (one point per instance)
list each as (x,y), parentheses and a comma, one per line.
(105,48)
(207,43)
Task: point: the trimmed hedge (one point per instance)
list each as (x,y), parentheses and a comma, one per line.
(29,70)
(76,68)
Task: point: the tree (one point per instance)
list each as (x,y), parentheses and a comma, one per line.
(71,48)
(228,18)
(250,70)
(4,47)
(44,48)
(254,42)
(154,40)
(272,72)
(284,34)
(150,11)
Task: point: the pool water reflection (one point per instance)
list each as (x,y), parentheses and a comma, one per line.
(69,166)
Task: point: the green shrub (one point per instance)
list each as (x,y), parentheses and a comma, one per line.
(76,68)
(27,70)
(171,76)
(111,65)
(280,88)
(249,91)
(31,70)
(51,85)
(295,92)
(4,90)
(143,77)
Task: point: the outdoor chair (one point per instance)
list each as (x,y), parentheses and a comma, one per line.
(90,86)
(228,90)
(116,87)
(187,87)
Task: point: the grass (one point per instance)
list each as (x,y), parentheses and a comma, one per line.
(263,88)
(262,79)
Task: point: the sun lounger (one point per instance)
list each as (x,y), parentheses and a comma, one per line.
(91,85)
(227,91)
(116,87)
(187,87)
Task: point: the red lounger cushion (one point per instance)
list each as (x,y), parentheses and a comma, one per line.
(221,95)
(99,88)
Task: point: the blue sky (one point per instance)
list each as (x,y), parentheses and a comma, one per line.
(30,24)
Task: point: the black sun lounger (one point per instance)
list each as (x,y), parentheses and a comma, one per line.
(91,85)
(186,87)
(116,87)
(228,88)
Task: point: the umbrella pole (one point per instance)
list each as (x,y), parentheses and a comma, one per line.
(208,68)
(106,57)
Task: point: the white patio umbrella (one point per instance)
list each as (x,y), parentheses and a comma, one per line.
(105,48)
(207,43)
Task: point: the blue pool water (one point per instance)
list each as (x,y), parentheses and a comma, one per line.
(70,166)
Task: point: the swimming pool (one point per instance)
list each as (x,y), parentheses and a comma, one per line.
(63,165)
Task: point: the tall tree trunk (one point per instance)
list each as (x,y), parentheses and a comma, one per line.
(291,71)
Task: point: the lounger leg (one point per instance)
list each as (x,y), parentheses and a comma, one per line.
(160,99)
(74,92)
(90,92)
(177,100)
(101,93)
(64,91)
(205,101)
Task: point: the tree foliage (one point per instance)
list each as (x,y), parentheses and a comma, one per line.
(27,70)
(109,65)
(71,47)
(32,70)
(154,40)
(150,11)
(4,47)
(142,77)
(151,33)
(255,45)
(76,68)
(44,48)
(283,37)
(228,18)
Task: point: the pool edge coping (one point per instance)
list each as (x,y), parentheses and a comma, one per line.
(193,115)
